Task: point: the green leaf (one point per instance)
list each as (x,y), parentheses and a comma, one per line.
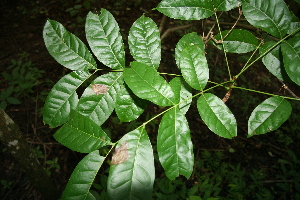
(291,58)
(146,83)
(62,98)
(66,48)
(272,59)
(186,10)
(217,116)
(128,106)
(144,42)
(182,92)
(13,100)
(271,16)
(134,178)
(83,176)
(98,107)
(104,37)
(174,145)
(81,134)
(238,41)
(268,116)
(193,65)
(186,41)
(225,5)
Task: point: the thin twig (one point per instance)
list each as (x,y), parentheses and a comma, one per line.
(162,23)
(288,89)
(168,31)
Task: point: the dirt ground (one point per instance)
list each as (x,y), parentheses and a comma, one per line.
(21,26)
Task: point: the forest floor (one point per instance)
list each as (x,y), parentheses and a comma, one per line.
(21,28)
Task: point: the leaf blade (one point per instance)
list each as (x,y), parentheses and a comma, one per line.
(134,178)
(260,13)
(63,98)
(104,37)
(146,83)
(193,66)
(268,116)
(128,106)
(238,41)
(99,107)
(83,176)
(217,116)
(186,10)
(66,48)
(144,42)
(291,58)
(174,145)
(81,134)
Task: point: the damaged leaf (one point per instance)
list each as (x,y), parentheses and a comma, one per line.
(99,88)
(120,155)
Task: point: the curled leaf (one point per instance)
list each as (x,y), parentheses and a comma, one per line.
(120,155)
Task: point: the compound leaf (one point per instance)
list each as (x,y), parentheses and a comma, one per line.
(174,145)
(217,116)
(134,178)
(99,106)
(291,58)
(186,9)
(268,116)
(62,98)
(144,42)
(104,37)
(146,83)
(81,134)
(83,176)
(271,16)
(237,41)
(66,48)
(128,106)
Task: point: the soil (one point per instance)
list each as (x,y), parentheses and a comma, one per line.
(21,28)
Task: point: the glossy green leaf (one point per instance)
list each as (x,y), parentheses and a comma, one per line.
(225,5)
(66,48)
(272,60)
(144,42)
(146,83)
(291,58)
(182,92)
(134,178)
(271,16)
(82,177)
(186,9)
(217,116)
(62,98)
(99,107)
(104,37)
(268,116)
(128,106)
(186,41)
(174,145)
(81,134)
(193,65)
(237,41)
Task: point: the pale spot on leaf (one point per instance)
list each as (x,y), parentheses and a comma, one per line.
(120,155)
(99,88)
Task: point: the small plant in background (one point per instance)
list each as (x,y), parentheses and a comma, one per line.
(21,77)
(6,185)
(127,90)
